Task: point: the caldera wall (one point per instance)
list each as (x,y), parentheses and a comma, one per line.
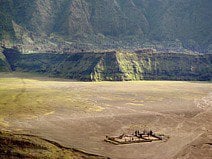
(165,66)
(4,66)
(114,66)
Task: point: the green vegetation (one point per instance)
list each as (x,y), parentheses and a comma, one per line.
(115,66)
(6,27)
(129,65)
(32,147)
(27,98)
(107,68)
(172,66)
(4,66)
(111,23)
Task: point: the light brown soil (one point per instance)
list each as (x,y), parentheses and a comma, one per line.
(181,110)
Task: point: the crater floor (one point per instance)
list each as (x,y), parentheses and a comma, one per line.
(80,114)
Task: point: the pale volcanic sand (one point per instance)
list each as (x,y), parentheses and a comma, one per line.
(182,110)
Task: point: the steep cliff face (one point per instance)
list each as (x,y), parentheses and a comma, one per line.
(4,66)
(109,22)
(81,66)
(107,68)
(115,66)
(173,66)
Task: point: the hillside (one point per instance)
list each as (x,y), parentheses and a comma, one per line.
(4,66)
(16,146)
(114,65)
(49,25)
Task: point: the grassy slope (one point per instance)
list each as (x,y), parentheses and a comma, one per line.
(26,146)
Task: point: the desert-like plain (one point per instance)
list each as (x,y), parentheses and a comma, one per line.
(80,114)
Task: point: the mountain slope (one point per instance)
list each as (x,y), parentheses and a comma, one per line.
(111,23)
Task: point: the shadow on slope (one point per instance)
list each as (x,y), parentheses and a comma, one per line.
(29,146)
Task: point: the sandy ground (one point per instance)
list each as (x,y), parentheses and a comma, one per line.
(182,110)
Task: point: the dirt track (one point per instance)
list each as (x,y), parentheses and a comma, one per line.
(181,110)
